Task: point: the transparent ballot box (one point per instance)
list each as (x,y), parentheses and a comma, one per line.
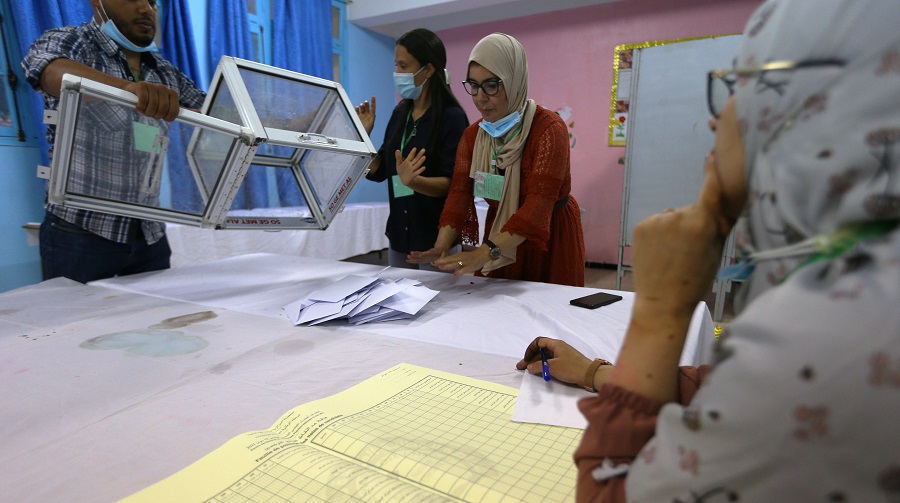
(270,149)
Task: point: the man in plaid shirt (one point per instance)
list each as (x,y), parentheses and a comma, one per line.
(116,49)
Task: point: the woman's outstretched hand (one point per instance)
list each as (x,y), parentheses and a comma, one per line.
(366,113)
(464,262)
(425,257)
(411,166)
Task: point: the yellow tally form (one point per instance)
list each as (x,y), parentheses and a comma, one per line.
(407,434)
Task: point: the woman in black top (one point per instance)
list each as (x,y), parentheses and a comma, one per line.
(419,148)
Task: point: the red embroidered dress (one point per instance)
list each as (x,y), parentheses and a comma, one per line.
(553,251)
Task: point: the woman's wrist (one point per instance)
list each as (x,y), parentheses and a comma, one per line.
(485,252)
(590,375)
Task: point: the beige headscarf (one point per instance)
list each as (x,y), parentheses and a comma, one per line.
(504,56)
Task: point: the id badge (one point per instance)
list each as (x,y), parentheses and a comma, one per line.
(144,136)
(488,186)
(400,190)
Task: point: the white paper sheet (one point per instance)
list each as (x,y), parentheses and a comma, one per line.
(348,306)
(295,309)
(380,292)
(342,288)
(361,299)
(551,402)
(319,310)
(410,300)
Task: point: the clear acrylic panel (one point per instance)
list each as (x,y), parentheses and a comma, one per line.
(307,152)
(120,155)
(223,106)
(269,196)
(330,173)
(337,123)
(268,187)
(293,105)
(277,151)
(208,157)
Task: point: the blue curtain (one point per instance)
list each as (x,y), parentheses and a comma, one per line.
(301,35)
(179,48)
(301,32)
(31,19)
(229,35)
(178,39)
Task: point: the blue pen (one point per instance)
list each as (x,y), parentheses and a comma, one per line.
(544,367)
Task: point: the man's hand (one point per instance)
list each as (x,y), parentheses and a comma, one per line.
(155,100)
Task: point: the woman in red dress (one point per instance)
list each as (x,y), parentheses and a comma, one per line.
(517,159)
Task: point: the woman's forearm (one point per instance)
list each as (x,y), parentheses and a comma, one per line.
(446,237)
(648,361)
(437,186)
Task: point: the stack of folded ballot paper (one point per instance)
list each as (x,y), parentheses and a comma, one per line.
(361,299)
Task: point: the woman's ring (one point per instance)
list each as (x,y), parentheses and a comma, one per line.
(460,263)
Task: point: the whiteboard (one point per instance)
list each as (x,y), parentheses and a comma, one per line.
(669,136)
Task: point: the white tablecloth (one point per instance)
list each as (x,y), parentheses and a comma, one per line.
(482,314)
(80,423)
(356,230)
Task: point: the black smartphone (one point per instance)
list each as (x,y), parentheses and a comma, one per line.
(596,300)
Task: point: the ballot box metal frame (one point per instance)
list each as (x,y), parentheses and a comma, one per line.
(322,203)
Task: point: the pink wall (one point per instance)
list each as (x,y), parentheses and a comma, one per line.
(570,57)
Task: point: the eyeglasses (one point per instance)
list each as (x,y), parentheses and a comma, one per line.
(489,87)
(720,83)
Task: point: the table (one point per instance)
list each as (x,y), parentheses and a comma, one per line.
(356,230)
(102,397)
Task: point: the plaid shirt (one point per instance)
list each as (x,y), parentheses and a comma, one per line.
(100,166)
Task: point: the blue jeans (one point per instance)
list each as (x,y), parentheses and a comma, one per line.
(76,253)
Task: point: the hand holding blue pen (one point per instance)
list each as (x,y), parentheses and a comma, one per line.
(544,367)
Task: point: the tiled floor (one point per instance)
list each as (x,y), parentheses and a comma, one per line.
(594,277)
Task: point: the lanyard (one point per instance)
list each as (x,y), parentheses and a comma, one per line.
(496,152)
(404,139)
(815,249)
(844,239)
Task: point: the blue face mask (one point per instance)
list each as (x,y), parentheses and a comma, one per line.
(110,29)
(502,126)
(406,85)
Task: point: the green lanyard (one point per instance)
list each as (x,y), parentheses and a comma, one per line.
(844,239)
(496,152)
(404,139)
(815,249)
